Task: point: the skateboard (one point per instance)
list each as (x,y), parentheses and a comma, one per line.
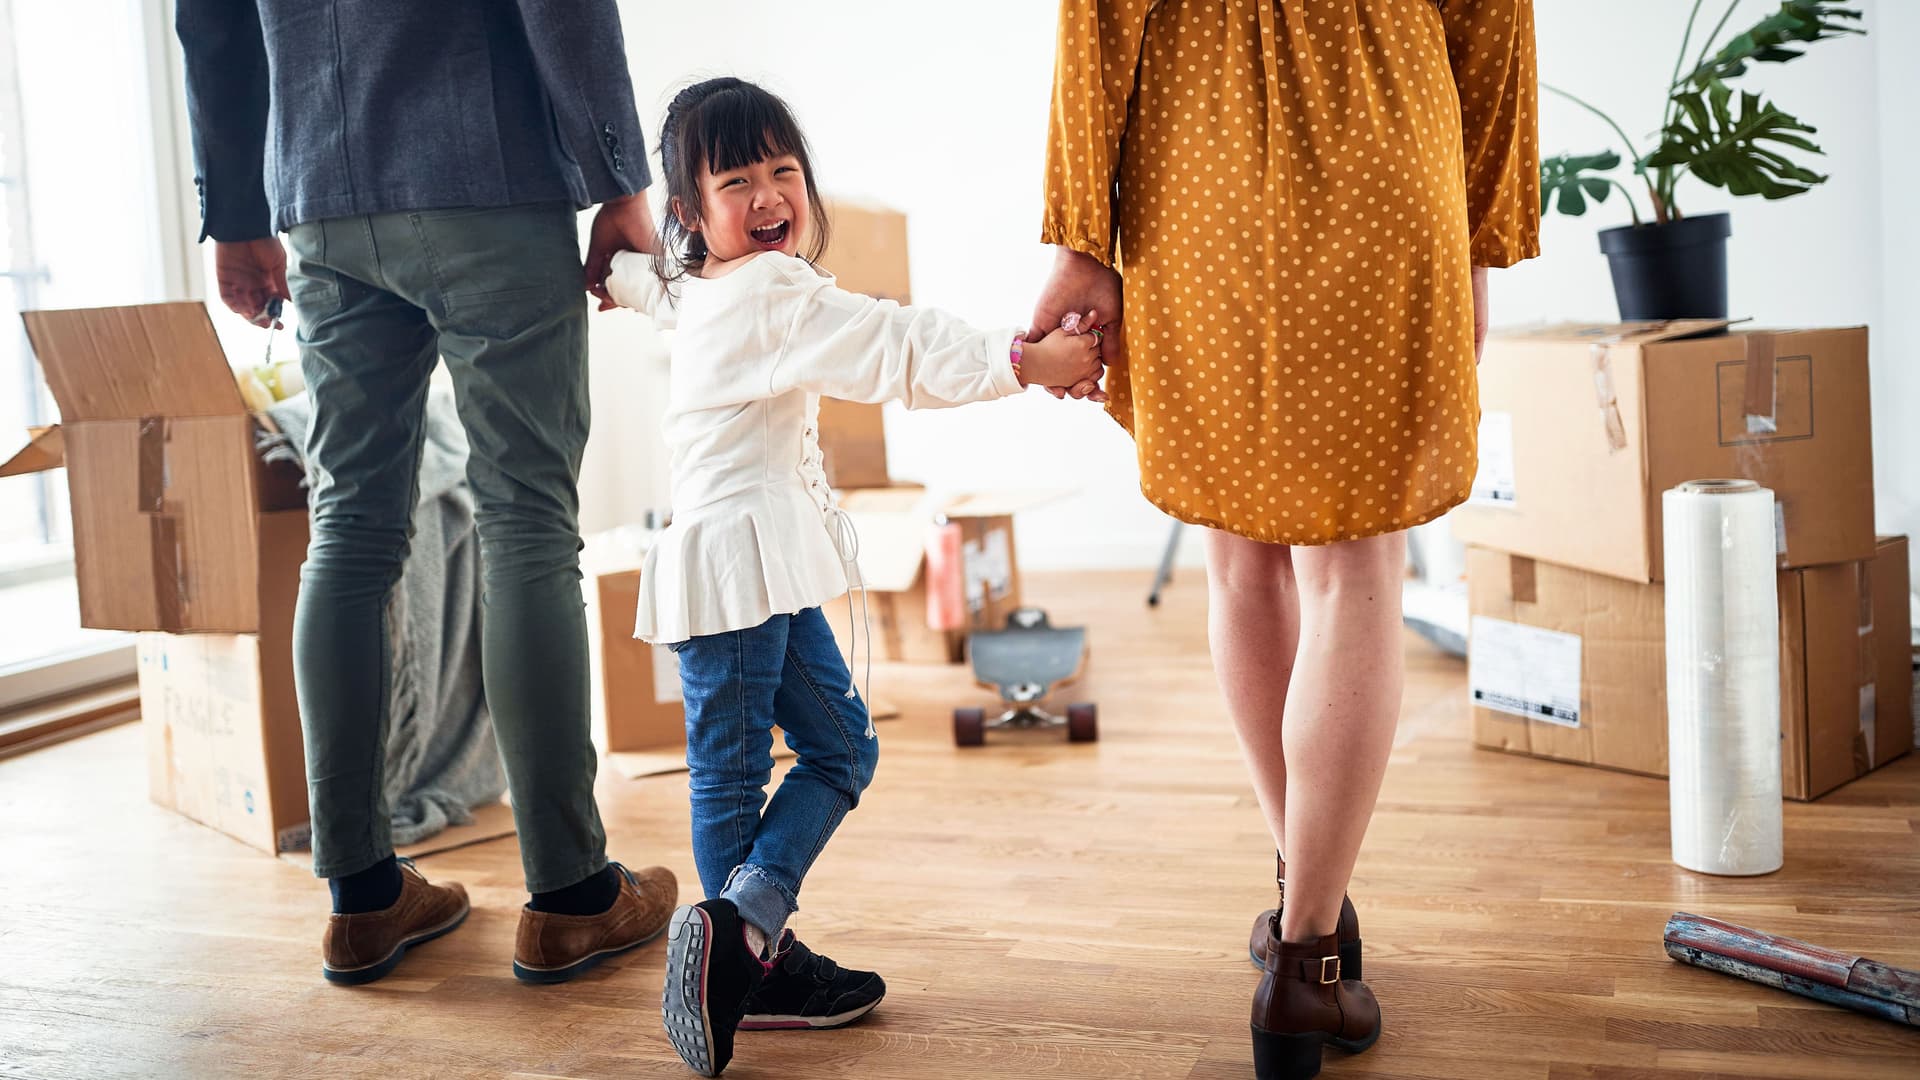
(1025,662)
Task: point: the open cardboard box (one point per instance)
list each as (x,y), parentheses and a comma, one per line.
(182,530)
(893,524)
(169,497)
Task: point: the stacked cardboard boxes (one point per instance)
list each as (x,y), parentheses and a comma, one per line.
(181,530)
(1583,428)
(869,255)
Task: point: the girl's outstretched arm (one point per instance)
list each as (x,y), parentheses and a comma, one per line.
(854,347)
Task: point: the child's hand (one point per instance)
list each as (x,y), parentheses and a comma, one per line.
(1061,360)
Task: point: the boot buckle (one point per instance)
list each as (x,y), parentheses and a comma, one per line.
(1329,963)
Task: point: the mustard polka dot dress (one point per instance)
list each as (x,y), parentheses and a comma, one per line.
(1294,192)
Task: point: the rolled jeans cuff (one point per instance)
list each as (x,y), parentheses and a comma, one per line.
(761,899)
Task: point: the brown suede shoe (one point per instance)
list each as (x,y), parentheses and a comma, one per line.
(361,948)
(1348,930)
(554,948)
(1302,1004)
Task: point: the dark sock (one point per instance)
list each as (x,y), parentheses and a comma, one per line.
(589,897)
(373,889)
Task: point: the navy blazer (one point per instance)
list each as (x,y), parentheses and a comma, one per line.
(311,109)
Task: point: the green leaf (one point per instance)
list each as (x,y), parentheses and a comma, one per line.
(1567,180)
(1741,150)
(1766,41)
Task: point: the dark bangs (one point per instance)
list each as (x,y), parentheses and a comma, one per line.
(738,127)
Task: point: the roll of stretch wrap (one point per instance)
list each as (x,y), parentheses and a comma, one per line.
(1723,677)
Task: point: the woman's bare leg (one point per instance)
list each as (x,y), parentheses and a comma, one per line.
(1343,702)
(1253,625)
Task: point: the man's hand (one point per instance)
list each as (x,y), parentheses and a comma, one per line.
(1081,283)
(620,225)
(1479,312)
(250,274)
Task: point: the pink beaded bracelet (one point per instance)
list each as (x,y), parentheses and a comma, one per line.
(1014,351)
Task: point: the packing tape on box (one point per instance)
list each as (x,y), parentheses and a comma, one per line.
(153,464)
(1602,356)
(169,590)
(1723,678)
(163,544)
(1866,754)
(1762,390)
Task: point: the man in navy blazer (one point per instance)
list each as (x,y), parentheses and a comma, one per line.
(426,161)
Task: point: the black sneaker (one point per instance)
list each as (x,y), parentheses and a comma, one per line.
(807,990)
(710,975)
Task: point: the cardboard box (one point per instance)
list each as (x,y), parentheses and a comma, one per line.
(867,254)
(640,683)
(1571,665)
(169,498)
(853,443)
(893,524)
(222,724)
(1584,427)
(867,249)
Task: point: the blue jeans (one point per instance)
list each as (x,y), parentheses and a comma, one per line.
(382,298)
(738,685)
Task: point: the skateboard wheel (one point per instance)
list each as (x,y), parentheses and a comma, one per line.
(969,727)
(1083,723)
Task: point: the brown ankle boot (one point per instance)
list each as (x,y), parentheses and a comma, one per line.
(1348,932)
(1302,1003)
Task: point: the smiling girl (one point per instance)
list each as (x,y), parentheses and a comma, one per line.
(756,545)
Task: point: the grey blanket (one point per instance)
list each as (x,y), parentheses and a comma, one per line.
(441,758)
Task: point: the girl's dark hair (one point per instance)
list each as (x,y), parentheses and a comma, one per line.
(724,124)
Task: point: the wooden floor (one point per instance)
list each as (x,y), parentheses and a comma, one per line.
(1038,910)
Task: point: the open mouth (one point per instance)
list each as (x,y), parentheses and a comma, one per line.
(772,235)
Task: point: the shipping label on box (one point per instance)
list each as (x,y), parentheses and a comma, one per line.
(1493,483)
(1543,633)
(212,751)
(1524,670)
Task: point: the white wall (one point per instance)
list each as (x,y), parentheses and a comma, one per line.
(1896,336)
(944,117)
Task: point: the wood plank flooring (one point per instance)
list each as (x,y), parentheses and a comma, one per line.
(1039,910)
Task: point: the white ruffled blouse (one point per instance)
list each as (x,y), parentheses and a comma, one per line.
(754,531)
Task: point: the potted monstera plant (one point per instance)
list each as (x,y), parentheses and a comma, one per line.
(1669,265)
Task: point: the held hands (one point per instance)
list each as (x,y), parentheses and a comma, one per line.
(1080,282)
(1066,358)
(624,224)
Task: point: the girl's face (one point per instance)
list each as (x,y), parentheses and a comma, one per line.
(760,207)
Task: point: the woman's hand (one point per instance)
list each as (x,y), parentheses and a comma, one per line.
(1080,282)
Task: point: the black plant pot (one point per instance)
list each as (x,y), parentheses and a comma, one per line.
(1675,270)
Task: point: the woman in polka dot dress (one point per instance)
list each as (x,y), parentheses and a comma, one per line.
(1301,198)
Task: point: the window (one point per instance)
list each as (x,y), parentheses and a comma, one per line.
(90,215)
